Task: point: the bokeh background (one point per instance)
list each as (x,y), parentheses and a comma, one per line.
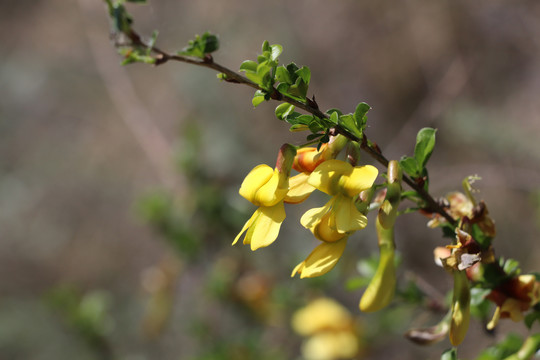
(118,185)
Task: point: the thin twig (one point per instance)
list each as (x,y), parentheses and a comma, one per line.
(234,77)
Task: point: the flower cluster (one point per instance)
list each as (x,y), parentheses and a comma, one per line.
(332,224)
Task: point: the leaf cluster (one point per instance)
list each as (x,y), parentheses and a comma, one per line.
(415,166)
(201,45)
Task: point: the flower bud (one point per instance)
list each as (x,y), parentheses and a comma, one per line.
(381,288)
(459,323)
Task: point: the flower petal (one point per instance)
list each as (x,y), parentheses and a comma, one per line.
(326,177)
(361,178)
(314,216)
(299,189)
(246,226)
(256,178)
(270,193)
(321,260)
(265,228)
(347,216)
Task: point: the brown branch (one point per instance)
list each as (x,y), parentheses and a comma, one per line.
(310,107)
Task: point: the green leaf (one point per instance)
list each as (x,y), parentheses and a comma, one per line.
(450,354)
(258,98)
(298,127)
(334,118)
(479,236)
(283,76)
(331,111)
(211,43)
(511,267)
(313,136)
(531,318)
(275,51)
(315,126)
(283,110)
(121,19)
(425,142)
(360,115)
(249,65)
(304,73)
(201,45)
(265,46)
(347,122)
(410,166)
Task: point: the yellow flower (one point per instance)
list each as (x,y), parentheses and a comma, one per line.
(331,330)
(266,188)
(299,189)
(339,218)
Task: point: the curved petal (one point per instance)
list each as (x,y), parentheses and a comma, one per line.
(246,226)
(326,177)
(273,191)
(361,178)
(265,228)
(347,216)
(326,229)
(256,178)
(299,189)
(314,216)
(321,260)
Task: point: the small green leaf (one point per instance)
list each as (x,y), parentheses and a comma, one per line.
(249,65)
(331,111)
(347,122)
(410,166)
(258,98)
(201,46)
(531,318)
(334,118)
(315,127)
(282,75)
(425,142)
(276,50)
(313,136)
(304,73)
(211,43)
(511,267)
(298,127)
(360,115)
(283,110)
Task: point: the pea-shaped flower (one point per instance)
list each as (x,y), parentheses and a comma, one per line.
(339,218)
(266,188)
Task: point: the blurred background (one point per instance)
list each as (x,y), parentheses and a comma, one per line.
(118,185)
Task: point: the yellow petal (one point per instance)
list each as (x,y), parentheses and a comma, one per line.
(512,308)
(361,178)
(347,216)
(299,189)
(331,345)
(322,314)
(246,226)
(265,228)
(326,229)
(326,177)
(314,216)
(272,192)
(321,260)
(256,178)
